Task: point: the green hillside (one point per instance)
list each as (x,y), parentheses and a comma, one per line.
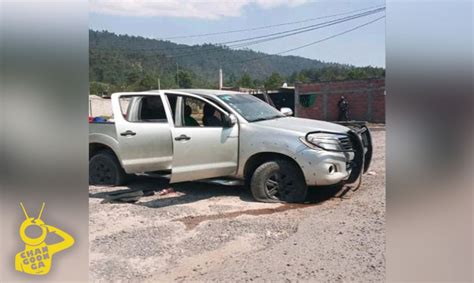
(122,62)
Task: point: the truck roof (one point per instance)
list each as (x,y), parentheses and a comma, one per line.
(203,92)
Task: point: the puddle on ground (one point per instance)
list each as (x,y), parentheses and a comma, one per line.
(192,222)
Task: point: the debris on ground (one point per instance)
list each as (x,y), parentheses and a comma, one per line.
(166,192)
(124,196)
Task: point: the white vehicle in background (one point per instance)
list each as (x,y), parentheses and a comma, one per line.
(198,134)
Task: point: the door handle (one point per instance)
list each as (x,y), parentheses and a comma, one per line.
(128,133)
(182,137)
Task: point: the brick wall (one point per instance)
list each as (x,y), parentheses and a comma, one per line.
(366,100)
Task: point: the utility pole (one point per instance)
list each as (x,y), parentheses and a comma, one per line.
(221,83)
(159,87)
(177,74)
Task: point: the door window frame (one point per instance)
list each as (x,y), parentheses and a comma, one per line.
(164,102)
(180,110)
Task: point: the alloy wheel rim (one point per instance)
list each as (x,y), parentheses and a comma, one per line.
(279,186)
(102,173)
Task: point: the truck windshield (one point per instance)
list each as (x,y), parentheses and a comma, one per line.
(250,107)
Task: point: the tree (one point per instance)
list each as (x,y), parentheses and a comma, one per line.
(275,81)
(124,62)
(99,88)
(246,81)
(304,76)
(232,80)
(147,83)
(257,83)
(185,79)
(293,77)
(132,77)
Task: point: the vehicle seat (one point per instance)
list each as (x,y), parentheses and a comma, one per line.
(209,119)
(188,119)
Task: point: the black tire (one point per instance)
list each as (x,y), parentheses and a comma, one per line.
(105,170)
(278,181)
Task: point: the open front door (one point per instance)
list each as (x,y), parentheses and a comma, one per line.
(202,147)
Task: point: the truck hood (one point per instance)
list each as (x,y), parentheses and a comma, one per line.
(300,125)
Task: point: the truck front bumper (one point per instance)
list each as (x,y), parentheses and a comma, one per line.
(327,167)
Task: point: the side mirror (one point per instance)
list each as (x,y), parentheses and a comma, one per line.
(229,121)
(286,111)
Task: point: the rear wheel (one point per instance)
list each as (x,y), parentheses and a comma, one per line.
(105,170)
(278,181)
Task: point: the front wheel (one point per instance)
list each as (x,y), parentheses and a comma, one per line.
(278,181)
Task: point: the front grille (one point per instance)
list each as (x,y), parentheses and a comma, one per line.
(345,142)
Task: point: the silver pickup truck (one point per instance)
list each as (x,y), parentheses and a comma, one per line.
(199,134)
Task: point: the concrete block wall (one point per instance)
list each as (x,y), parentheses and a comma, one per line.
(366,100)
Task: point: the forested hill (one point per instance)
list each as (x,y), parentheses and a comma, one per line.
(123,62)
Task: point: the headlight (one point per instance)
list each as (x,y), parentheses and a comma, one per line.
(322,141)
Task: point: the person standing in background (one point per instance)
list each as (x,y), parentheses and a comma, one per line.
(343,109)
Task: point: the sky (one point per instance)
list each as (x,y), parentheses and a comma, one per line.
(167,18)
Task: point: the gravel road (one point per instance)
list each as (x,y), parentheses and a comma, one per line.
(205,232)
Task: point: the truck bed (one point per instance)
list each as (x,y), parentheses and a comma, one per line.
(104,128)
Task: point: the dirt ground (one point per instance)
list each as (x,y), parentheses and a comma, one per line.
(205,232)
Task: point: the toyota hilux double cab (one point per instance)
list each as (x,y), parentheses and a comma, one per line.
(196,134)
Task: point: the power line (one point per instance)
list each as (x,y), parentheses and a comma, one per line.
(312,43)
(310,27)
(275,33)
(313,28)
(267,26)
(274,36)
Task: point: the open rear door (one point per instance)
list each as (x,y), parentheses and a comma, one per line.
(143,132)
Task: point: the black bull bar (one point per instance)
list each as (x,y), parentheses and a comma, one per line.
(361,142)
